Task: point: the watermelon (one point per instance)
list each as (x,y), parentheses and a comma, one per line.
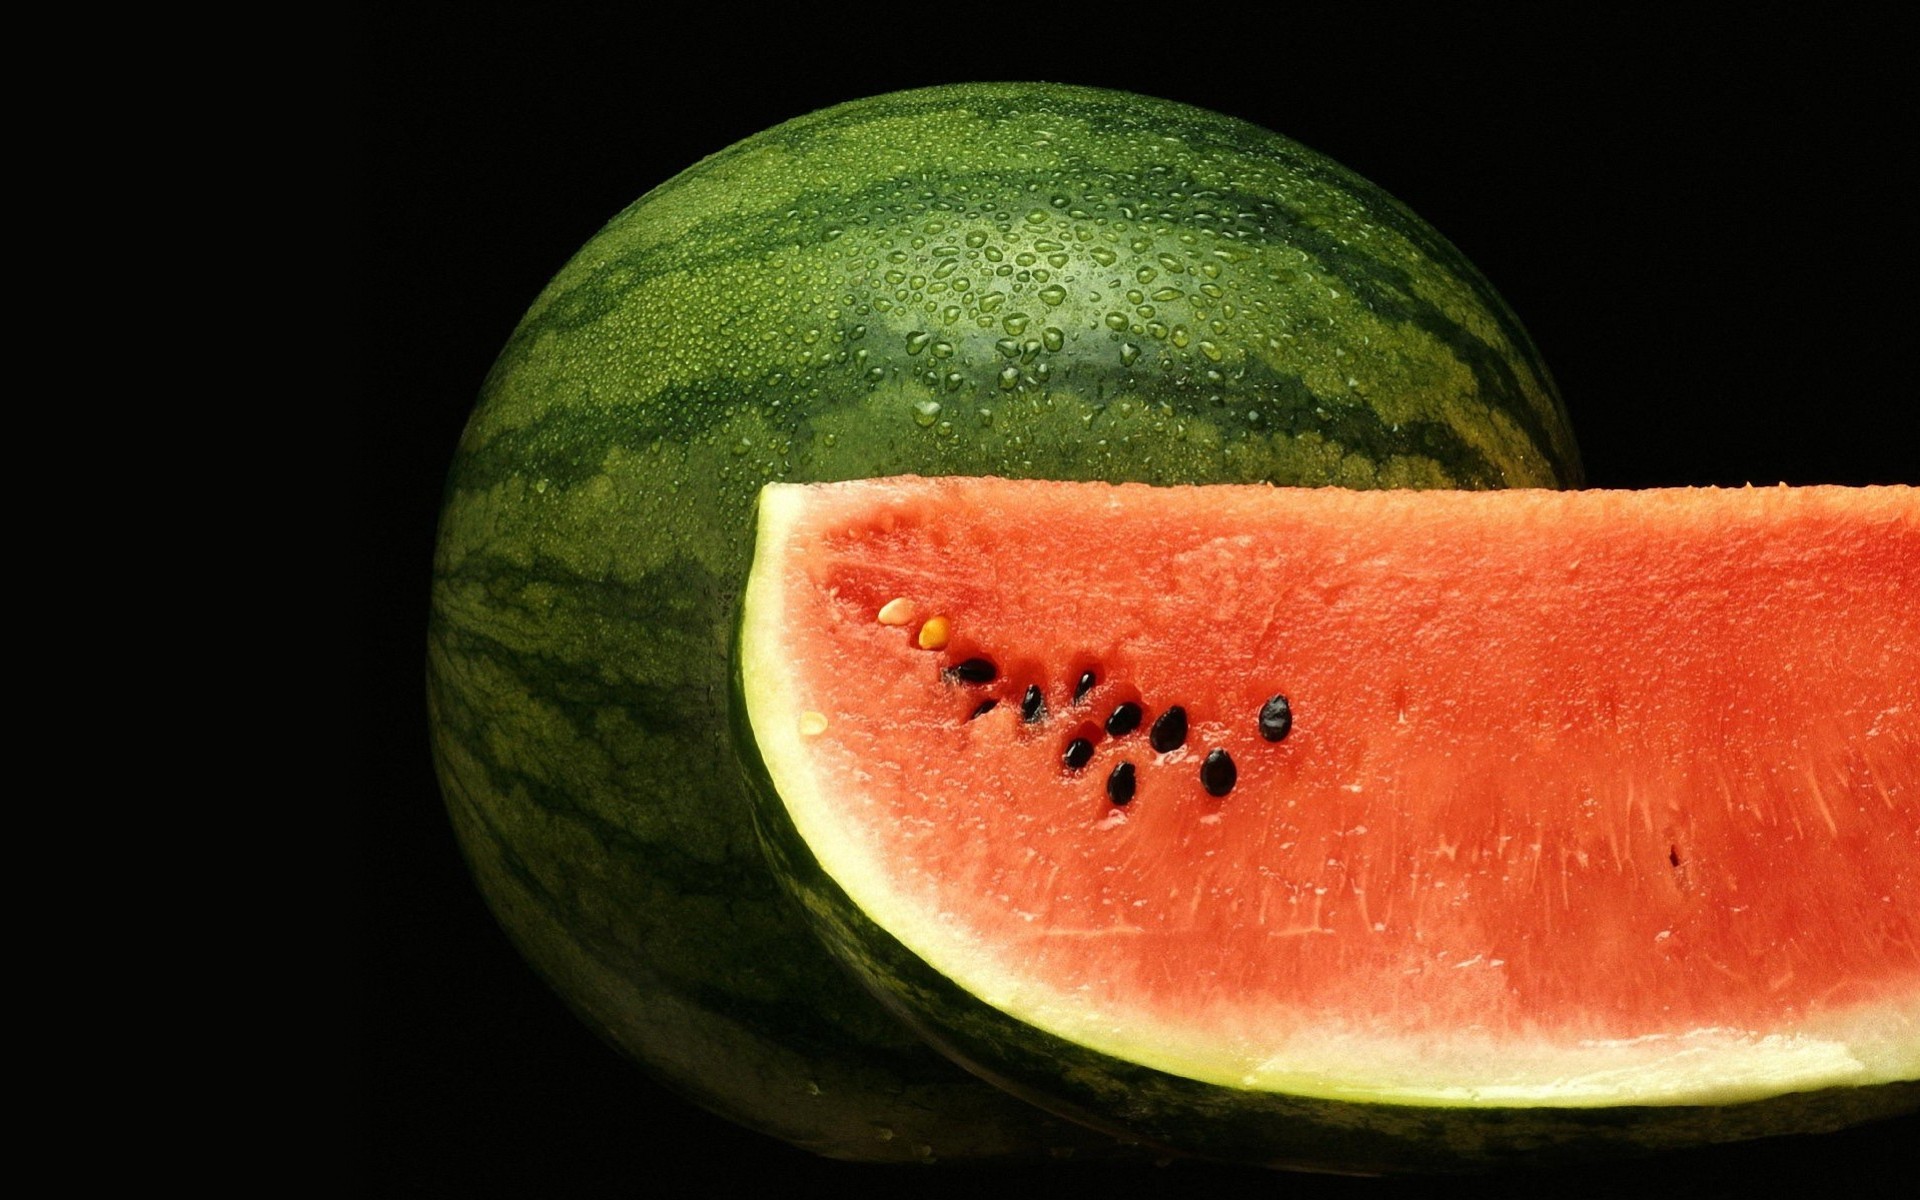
(1020,280)
(1361,830)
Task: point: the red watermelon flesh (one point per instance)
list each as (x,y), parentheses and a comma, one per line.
(1587,798)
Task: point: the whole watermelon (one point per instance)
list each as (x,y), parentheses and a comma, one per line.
(1010,279)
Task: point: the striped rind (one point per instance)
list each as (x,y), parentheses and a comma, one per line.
(870,290)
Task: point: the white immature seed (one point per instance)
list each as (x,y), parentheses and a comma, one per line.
(813,724)
(897,611)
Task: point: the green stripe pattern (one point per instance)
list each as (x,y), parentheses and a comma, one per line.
(1021,280)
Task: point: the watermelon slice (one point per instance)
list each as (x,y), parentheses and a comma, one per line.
(1364,830)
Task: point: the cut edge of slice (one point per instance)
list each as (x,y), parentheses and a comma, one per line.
(1852,1049)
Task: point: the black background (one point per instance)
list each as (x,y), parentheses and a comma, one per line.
(1699,220)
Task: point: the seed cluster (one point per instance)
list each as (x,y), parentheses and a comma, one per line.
(1167,733)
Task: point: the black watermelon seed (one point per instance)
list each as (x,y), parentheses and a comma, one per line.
(1276,718)
(1120,783)
(1033,706)
(986,706)
(1079,754)
(1124,719)
(1217,773)
(1169,730)
(974,670)
(1084,686)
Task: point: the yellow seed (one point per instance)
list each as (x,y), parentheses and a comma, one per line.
(934,634)
(813,724)
(897,611)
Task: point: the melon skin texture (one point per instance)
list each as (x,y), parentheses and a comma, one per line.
(1639,1010)
(1022,280)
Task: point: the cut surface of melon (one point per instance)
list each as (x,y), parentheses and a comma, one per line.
(1589,798)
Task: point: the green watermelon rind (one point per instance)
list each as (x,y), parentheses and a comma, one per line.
(717,335)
